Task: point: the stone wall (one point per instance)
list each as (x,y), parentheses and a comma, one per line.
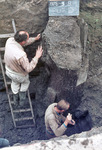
(91,12)
(31,15)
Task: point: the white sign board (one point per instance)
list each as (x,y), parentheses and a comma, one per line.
(64,8)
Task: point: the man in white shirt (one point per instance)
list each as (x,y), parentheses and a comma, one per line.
(18,65)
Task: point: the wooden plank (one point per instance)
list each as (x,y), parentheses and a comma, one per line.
(6,35)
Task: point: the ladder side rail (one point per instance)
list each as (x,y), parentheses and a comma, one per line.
(9,34)
(13,24)
(6,35)
(31,106)
(2,68)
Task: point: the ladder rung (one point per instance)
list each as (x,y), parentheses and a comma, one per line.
(12,102)
(25,118)
(11,93)
(3,61)
(6,35)
(21,110)
(9,82)
(2,49)
(25,126)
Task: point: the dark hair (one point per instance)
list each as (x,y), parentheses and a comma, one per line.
(62,105)
(20,37)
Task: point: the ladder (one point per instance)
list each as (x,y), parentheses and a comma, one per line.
(10,94)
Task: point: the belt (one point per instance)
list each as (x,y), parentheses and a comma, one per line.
(12,72)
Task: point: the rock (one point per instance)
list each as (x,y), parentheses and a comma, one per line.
(95,5)
(66,38)
(91,11)
(31,15)
(63,36)
(50,95)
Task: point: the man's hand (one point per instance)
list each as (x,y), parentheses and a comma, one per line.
(37,37)
(39,52)
(71,121)
(69,116)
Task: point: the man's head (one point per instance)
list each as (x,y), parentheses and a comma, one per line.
(63,105)
(21,37)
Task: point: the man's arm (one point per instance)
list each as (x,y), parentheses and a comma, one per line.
(69,117)
(29,66)
(58,130)
(31,40)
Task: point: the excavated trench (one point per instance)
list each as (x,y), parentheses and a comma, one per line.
(26,135)
(48,84)
(68,92)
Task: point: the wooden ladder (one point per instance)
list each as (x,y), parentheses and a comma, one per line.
(10,94)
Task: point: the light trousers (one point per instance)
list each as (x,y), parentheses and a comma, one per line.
(19,82)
